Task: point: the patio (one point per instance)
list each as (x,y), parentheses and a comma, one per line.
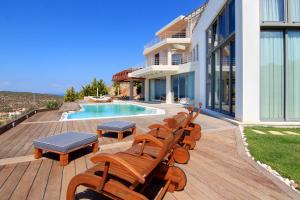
(218,169)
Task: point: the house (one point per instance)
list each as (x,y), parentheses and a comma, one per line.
(125,86)
(240,58)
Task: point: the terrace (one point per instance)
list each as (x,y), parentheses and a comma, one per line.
(218,168)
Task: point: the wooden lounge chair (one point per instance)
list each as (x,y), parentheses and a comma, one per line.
(173,126)
(125,175)
(192,131)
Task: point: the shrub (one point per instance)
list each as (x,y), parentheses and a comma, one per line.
(52,105)
(70,95)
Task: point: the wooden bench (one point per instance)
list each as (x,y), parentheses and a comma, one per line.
(116,126)
(63,144)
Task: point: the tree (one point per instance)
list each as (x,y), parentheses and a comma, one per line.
(91,89)
(70,95)
(117,87)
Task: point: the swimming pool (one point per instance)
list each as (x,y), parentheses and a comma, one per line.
(110,110)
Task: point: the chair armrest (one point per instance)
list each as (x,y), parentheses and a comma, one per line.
(188,128)
(104,157)
(148,138)
(159,126)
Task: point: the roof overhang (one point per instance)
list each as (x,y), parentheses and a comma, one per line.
(177,22)
(153,70)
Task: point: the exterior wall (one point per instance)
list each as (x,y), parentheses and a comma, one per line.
(247,56)
(247,60)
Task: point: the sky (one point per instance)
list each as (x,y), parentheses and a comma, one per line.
(47,46)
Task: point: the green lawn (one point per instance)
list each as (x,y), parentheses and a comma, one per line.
(281,152)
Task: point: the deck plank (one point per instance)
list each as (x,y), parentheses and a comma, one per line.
(41,180)
(12,181)
(26,181)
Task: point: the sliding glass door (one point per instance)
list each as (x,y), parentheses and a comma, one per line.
(293,76)
(272,76)
(183,86)
(158,89)
(279,75)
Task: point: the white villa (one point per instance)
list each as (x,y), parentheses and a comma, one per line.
(238,57)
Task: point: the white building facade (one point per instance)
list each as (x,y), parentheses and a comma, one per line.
(245,61)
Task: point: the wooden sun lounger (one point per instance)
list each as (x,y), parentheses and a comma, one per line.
(125,175)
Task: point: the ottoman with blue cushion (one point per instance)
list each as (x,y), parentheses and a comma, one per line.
(116,126)
(64,143)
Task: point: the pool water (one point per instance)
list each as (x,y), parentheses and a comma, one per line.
(110,110)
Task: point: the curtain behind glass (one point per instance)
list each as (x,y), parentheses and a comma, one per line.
(272,10)
(295,10)
(271,80)
(293,76)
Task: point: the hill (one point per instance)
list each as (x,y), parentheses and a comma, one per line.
(13,101)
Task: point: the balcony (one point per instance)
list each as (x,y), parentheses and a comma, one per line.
(168,37)
(161,66)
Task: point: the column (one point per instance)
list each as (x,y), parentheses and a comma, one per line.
(146,90)
(169,56)
(169,96)
(131,90)
(142,89)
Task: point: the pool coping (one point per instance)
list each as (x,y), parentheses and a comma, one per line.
(65,114)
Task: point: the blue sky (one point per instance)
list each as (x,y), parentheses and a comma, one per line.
(49,45)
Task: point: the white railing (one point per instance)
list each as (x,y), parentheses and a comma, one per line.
(158,61)
(174,61)
(168,34)
(181,60)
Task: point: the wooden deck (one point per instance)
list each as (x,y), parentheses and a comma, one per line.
(216,169)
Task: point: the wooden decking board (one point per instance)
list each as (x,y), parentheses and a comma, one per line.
(5,173)
(10,137)
(26,181)
(240,180)
(68,174)
(25,137)
(52,190)
(12,181)
(27,148)
(40,182)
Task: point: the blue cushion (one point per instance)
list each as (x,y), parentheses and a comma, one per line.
(116,126)
(65,142)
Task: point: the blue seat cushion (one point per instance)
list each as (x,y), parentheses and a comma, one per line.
(116,126)
(65,142)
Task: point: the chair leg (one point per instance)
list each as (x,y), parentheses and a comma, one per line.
(120,136)
(133,130)
(95,147)
(99,132)
(38,153)
(64,159)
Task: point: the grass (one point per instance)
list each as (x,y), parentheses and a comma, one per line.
(281,152)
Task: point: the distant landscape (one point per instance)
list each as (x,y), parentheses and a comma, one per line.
(13,104)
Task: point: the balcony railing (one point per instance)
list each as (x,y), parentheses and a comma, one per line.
(168,34)
(158,61)
(178,60)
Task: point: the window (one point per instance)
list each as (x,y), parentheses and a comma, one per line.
(220,71)
(183,86)
(197,52)
(295,10)
(222,26)
(273,10)
(193,54)
(292,76)
(176,59)
(231,9)
(272,76)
